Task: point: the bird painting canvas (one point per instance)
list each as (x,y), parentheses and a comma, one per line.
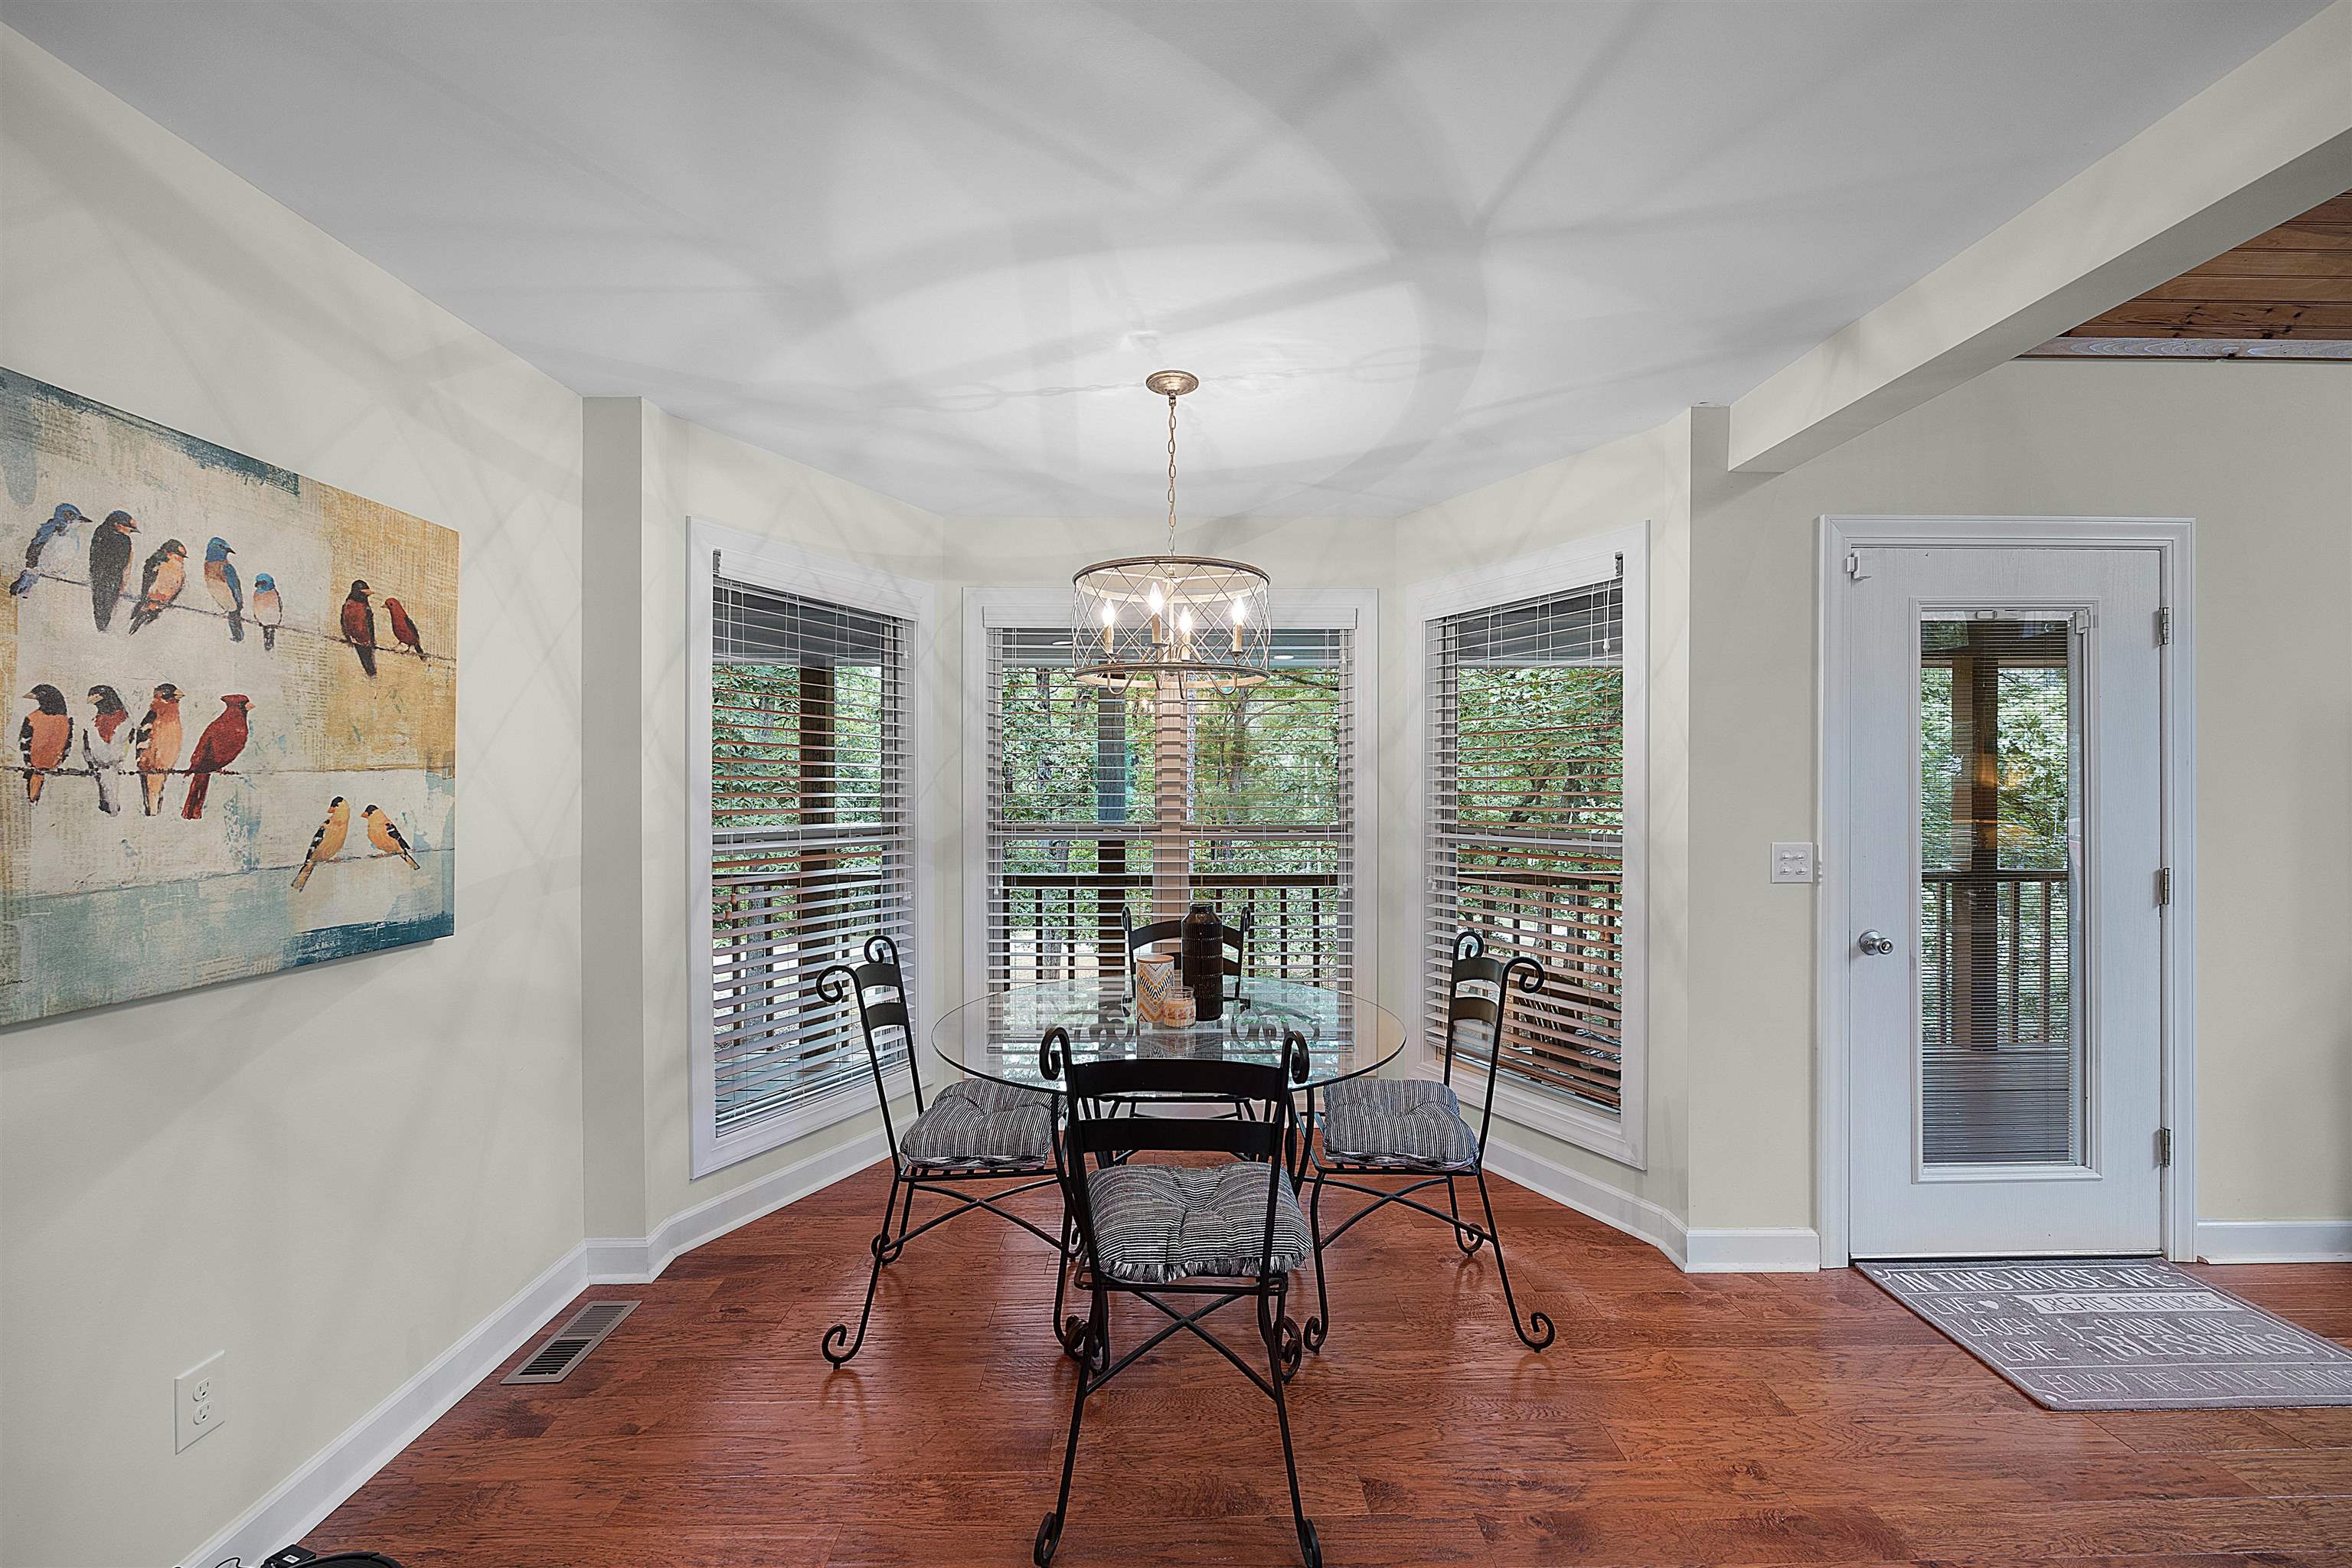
(235,713)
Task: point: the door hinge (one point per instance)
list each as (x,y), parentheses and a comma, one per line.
(2164,886)
(2163,625)
(1854,566)
(2164,1146)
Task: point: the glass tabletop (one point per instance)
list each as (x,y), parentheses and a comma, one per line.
(997,1035)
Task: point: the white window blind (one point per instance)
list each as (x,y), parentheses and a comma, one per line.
(810,837)
(1099,800)
(1525,760)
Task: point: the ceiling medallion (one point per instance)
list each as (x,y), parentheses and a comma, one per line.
(1186,618)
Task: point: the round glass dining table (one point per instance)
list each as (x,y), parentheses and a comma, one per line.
(1274,1023)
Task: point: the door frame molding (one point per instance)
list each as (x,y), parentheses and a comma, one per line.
(2173,540)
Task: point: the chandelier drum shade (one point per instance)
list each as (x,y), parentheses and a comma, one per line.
(1186,618)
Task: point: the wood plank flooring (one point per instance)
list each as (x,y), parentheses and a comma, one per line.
(1679,1419)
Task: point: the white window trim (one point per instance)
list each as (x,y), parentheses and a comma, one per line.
(1592,559)
(1355,608)
(770,564)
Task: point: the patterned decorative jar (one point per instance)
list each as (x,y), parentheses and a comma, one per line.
(1156,987)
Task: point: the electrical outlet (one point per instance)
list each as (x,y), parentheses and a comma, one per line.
(1792,862)
(197,1394)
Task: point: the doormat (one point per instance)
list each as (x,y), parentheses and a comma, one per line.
(2108,1333)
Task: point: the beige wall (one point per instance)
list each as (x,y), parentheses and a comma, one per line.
(646,474)
(2261,457)
(334,1172)
(1641,479)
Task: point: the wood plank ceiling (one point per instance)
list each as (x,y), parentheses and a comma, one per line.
(2284,294)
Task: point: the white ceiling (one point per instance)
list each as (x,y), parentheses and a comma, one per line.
(1411,247)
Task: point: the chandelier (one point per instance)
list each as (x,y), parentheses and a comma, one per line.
(1184,619)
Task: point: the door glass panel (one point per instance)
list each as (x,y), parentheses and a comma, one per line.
(2000,1064)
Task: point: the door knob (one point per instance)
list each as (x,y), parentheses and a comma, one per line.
(1875,945)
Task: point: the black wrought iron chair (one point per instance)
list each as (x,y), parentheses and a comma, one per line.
(1218,1233)
(973,1131)
(1376,1127)
(1236,941)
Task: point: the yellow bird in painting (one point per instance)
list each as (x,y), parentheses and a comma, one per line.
(385,834)
(327,842)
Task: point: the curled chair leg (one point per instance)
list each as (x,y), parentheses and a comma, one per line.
(1537,1332)
(1318,1326)
(1271,1322)
(1468,1238)
(1062,1280)
(1098,1327)
(885,1249)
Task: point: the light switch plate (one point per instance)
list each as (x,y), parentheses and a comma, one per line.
(197,1393)
(1792,862)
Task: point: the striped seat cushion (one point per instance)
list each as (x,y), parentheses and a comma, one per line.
(977,1122)
(1408,1123)
(1154,1223)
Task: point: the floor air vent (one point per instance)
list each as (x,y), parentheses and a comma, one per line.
(568,1346)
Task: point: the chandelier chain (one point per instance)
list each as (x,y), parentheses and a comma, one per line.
(1171,473)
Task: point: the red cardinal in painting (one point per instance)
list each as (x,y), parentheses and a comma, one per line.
(402,628)
(45,738)
(155,746)
(359,626)
(217,747)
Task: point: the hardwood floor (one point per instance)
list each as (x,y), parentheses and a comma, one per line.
(1718,1419)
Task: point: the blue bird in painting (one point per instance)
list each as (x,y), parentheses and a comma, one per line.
(61,525)
(220,576)
(268,609)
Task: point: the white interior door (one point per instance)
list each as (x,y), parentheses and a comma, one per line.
(2004,975)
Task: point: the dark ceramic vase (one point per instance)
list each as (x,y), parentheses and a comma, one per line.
(1205,960)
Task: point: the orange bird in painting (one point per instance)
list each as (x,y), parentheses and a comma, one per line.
(155,746)
(166,574)
(217,747)
(44,737)
(359,626)
(327,842)
(385,834)
(402,628)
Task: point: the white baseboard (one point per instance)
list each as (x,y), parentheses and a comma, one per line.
(1759,1250)
(639,1261)
(296,1505)
(2275,1240)
(1636,1216)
